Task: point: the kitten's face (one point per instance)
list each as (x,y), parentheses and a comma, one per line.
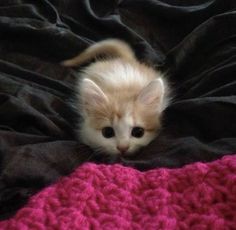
(120,122)
(120,132)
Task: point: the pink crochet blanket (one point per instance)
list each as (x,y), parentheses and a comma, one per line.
(198,196)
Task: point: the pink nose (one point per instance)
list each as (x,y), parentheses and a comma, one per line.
(122,149)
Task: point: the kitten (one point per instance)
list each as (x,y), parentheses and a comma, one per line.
(121,100)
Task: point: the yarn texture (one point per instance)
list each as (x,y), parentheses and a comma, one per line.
(111,197)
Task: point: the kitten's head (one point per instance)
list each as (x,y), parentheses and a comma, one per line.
(123,121)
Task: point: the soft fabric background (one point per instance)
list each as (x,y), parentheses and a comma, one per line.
(194,41)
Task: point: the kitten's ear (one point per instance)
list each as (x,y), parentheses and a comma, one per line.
(92,95)
(153,94)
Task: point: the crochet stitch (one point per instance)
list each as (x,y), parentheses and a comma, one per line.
(111,197)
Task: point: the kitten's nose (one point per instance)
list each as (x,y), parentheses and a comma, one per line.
(122,148)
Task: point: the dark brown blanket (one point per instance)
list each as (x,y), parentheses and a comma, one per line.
(194,41)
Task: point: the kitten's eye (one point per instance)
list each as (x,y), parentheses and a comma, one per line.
(108,132)
(137,132)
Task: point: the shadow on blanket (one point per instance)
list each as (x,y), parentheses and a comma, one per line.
(193,41)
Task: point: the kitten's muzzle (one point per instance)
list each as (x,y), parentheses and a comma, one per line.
(123,148)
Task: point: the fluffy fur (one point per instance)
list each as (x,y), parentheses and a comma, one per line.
(121,93)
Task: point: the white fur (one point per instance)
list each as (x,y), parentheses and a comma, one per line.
(122,82)
(114,74)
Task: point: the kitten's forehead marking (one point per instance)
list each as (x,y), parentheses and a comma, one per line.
(123,125)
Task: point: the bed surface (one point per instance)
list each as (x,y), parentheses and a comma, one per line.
(193,41)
